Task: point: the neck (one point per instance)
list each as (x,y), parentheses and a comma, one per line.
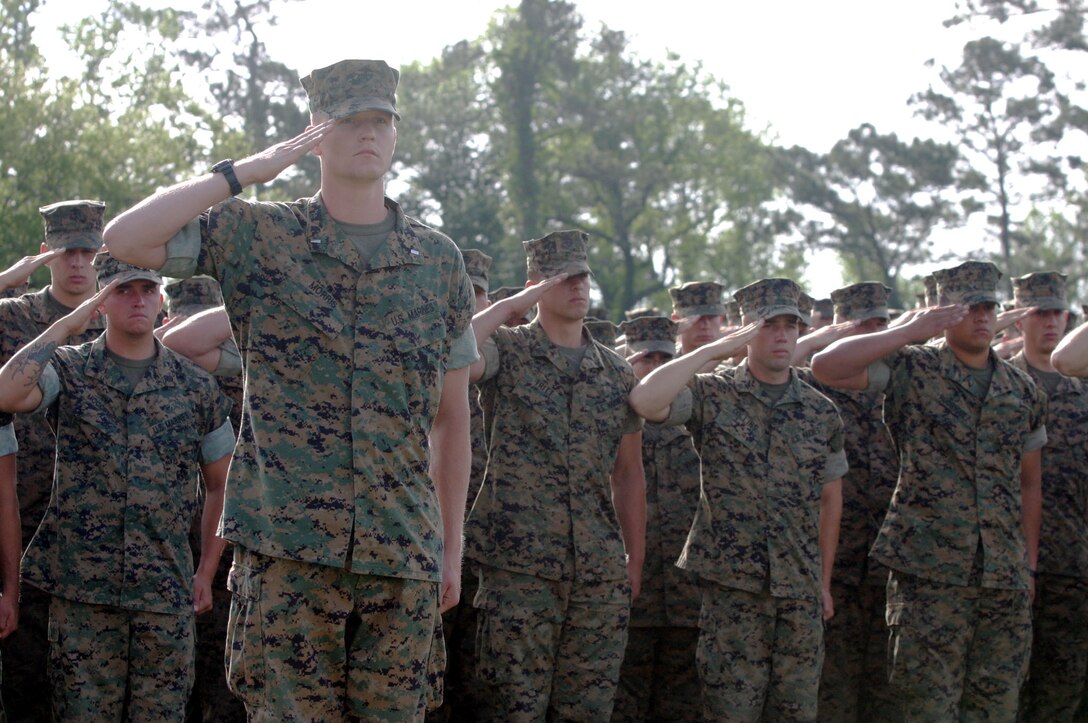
(768,376)
(70,300)
(973,359)
(562,332)
(362,203)
(1039,360)
(141,346)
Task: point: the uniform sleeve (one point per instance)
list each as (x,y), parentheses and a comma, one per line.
(8,443)
(230,360)
(182,252)
(219,441)
(836,465)
(680,411)
(463,351)
(633,422)
(49,384)
(1036,438)
(490,351)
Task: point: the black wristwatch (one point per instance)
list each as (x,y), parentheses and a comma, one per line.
(226,167)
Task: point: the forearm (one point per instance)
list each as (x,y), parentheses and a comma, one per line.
(199,337)
(654,394)
(140,234)
(11,542)
(451,459)
(830,518)
(847,360)
(211,545)
(19,377)
(1071,355)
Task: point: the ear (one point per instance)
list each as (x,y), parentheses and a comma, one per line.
(44,248)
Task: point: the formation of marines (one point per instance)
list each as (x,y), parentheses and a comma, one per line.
(453,502)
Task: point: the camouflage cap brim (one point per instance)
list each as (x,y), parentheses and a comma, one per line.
(877,312)
(351,106)
(1043,303)
(479,281)
(132,275)
(570,267)
(685,312)
(978,297)
(769,312)
(91,240)
(655,345)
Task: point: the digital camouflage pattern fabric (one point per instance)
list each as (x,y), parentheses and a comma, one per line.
(697,298)
(1043,290)
(346,440)
(73,224)
(972,282)
(477,266)
(858,302)
(768,298)
(348,87)
(560,252)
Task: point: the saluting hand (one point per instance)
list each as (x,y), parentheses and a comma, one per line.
(933,321)
(77,321)
(271,162)
(21,270)
(728,345)
(521,302)
(1007,318)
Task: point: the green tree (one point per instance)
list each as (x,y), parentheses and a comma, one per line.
(876,201)
(1004,109)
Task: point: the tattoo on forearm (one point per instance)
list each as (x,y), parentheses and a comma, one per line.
(31,361)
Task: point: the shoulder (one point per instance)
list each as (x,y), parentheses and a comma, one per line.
(814,398)
(611,358)
(432,241)
(187,372)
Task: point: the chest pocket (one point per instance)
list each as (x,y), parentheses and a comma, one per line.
(740,428)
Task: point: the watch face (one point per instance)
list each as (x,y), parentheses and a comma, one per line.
(222,165)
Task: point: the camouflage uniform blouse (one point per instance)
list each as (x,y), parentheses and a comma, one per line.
(867,488)
(545,507)
(959,476)
(670,596)
(343,371)
(22,320)
(127,476)
(764,466)
(1063,540)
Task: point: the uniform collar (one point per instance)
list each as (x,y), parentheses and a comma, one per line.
(542,346)
(955,370)
(744,382)
(401,246)
(162,374)
(1066,385)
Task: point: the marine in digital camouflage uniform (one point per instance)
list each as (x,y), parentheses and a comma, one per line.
(699,308)
(763,538)
(75,226)
(347,489)
(1058,674)
(460,701)
(961,532)
(854,680)
(211,700)
(558,527)
(10,545)
(137,426)
(658,680)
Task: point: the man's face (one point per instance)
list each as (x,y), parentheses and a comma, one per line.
(1043,329)
(868,326)
(133,307)
(569,299)
(648,362)
(359,147)
(703,330)
(73,273)
(771,350)
(975,332)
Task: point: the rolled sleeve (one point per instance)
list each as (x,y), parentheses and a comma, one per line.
(182,252)
(680,410)
(463,351)
(218,443)
(836,466)
(8,443)
(49,384)
(490,352)
(880,373)
(1035,439)
(230,360)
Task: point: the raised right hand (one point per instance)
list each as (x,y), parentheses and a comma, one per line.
(271,162)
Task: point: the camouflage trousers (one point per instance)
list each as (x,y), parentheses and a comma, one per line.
(106,663)
(310,642)
(854,680)
(1058,674)
(549,650)
(658,680)
(25,690)
(460,689)
(759,656)
(956,653)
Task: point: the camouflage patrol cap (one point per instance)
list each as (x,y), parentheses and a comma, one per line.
(640,312)
(1041,290)
(805,303)
(930,295)
(767,298)
(557,253)
(697,298)
(858,302)
(477,264)
(602,330)
(972,282)
(651,334)
(73,224)
(351,86)
(185,297)
(732,313)
(109,268)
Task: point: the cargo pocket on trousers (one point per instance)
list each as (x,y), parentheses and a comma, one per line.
(245,646)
